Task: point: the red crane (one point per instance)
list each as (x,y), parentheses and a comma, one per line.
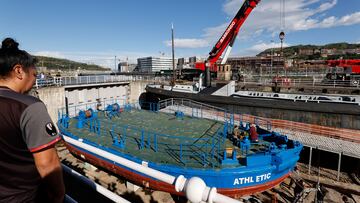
(349,76)
(227,39)
(354,64)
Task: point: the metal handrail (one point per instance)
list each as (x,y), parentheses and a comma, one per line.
(155,139)
(256,80)
(93,79)
(219,114)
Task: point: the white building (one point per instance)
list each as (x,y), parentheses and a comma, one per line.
(155,64)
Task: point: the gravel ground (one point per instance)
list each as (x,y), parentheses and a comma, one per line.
(282,193)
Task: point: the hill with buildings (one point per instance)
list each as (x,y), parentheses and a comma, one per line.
(317,52)
(66,65)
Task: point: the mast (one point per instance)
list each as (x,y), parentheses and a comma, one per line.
(173,54)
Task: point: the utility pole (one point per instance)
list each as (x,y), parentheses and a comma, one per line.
(282,37)
(115,63)
(173,54)
(271,57)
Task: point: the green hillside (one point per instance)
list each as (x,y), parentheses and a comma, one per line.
(293,51)
(65,65)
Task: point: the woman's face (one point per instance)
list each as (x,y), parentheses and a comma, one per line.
(29,79)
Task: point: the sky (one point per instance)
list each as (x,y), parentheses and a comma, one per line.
(94,31)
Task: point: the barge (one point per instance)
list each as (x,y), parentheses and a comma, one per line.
(180,137)
(326,110)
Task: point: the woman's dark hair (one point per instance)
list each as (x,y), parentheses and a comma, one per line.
(11,55)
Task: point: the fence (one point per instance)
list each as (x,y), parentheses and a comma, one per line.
(338,133)
(199,110)
(254,80)
(297,81)
(93,79)
(205,150)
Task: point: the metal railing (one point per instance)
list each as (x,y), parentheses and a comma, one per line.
(93,79)
(198,109)
(89,186)
(313,81)
(332,132)
(296,81)
(72,111)
(206,150)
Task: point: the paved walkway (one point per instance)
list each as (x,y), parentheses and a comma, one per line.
(312,139)
(347,148)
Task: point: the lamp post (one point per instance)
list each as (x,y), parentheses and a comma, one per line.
(115,63)
(271,57)
(282,37)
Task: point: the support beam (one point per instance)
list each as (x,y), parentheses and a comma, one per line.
(339,166)
(310,156)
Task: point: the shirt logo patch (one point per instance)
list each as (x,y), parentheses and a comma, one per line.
(50,129)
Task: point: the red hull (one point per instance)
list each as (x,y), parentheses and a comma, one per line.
(158,185)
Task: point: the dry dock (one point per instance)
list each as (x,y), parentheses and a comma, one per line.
(337,190)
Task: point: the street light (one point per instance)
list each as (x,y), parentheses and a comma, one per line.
(282,37)
(271,55)
(115,63)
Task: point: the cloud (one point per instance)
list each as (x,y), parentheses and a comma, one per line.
(263,46)
(188,43)
(331,21)
(326,6)
(259,47)
(265,19)
(299,15)
(351,19)
(55,54)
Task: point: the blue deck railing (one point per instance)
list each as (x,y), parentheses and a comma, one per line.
(205,150)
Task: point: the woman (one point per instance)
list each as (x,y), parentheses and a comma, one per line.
(30,169)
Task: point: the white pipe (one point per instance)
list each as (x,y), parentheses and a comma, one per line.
(112,196)
(196,191)
(125,162)
(195,188)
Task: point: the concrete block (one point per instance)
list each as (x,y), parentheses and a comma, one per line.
(132,187)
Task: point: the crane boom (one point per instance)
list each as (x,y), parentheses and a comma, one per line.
(227,39)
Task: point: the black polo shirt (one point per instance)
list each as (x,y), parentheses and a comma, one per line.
(25,128)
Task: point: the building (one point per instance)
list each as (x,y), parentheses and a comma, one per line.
(123,67)
(181,63)
(306,52)
(256,65)
(193,60)
(154,64)
(224,72)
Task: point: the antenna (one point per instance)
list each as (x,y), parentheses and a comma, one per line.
(173,54)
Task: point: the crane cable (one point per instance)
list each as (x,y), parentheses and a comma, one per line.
(282,15)
(282,27)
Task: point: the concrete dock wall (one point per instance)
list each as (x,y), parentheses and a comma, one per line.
(136,88)
(54,97)
(88,94)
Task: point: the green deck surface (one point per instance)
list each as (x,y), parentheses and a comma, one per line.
(198,137)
